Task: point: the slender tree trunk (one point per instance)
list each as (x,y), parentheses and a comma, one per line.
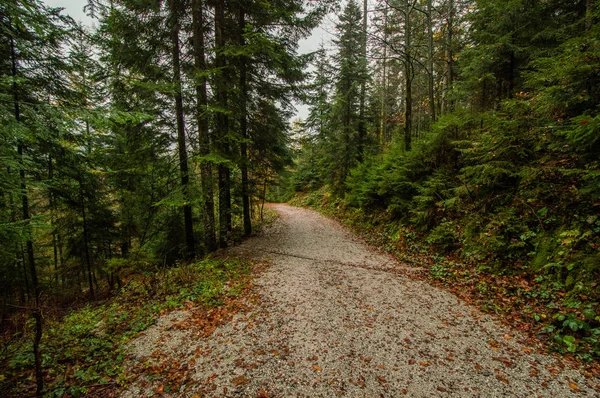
(430,60)
(206,173)
(511,75)
(51,200)
(24,267)
(25,294)
(362,126)
(222,125)
(408,78)
(86,244)
(244,125)
(61,258)
(449,57)
(36,314)
(181,144)
(383,122)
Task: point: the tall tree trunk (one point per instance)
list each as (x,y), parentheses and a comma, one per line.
(52,203)
(430,85)
(222,125)
(36,314)
(183,161)
(25,294)
(383,122)
(206,173)
(244,125)
(449,57)
(408,78)
(362,126)
(86,244)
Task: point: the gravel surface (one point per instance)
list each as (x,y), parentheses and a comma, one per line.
(330,318)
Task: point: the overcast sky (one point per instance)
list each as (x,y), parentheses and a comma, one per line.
(74,8)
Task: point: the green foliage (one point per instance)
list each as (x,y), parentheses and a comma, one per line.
(87,346)
(507,179)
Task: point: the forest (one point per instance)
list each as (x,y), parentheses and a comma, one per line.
(464,135)
(462,132)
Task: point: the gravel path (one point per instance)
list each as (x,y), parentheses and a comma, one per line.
(332,320)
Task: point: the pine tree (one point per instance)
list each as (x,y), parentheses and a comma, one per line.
(351,69)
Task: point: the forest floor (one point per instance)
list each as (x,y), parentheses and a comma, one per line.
(332,317)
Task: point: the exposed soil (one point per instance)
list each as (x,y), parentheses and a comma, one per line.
(331,317)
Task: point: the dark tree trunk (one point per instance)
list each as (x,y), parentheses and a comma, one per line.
(86,244)
(430,85)
(244,126)
(362,126)
(39,376)
(408,79)
(449,58)
(206,173)
(181,144)
(222,125)
(383,122)
(52,203)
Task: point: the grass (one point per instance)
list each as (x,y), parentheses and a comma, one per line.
(83,353)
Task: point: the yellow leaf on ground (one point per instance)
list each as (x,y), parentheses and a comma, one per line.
(317,368)
(574,386)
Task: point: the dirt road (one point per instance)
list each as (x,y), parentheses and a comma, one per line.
(332,320)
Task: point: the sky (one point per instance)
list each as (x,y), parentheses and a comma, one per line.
(74,8)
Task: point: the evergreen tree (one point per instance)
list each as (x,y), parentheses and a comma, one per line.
(346,145)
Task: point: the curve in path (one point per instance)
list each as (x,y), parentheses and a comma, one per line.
(333,321)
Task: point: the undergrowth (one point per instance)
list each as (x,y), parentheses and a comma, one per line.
(83,352)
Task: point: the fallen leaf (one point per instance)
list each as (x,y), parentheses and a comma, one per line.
(240,380)
(317,368)
(507,336)
(262,394)
(442,389)
(533,372)
(574,386)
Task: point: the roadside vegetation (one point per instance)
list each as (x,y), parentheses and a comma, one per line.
(469,144)
(84,351)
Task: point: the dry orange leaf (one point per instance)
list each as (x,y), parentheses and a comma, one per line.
(317,368)
(262,394)
(574,386)
(240,380)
